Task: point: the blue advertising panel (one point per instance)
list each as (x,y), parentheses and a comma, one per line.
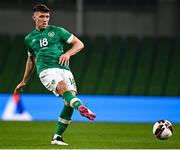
(107,108)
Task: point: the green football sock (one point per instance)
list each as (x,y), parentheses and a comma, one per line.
(61,128)
(67,112)
(77,104)
(72,100)
(64,120)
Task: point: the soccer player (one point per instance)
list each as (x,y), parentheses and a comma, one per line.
(45,51)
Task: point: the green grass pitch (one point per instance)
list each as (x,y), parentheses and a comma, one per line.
(81,135)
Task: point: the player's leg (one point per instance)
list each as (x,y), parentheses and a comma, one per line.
(76,103)
(50,79)
(63,122)
(67,88)
(68,93)
(61,82)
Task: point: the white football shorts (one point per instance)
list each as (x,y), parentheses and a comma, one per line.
(51,77)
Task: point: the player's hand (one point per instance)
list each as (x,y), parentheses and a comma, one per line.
(64,59)
(19,88)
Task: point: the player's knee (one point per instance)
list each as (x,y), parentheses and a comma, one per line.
(61,88)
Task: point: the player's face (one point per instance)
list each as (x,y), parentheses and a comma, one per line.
(41,19)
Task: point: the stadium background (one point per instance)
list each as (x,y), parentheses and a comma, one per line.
(129,66)
(131,47)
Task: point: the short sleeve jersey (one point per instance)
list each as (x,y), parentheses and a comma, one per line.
(47,46)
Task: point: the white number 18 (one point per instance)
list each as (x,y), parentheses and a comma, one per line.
(43,42)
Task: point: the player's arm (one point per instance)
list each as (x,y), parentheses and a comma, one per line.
(30,65)
(77,45)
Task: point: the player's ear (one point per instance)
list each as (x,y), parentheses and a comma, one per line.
(33,17)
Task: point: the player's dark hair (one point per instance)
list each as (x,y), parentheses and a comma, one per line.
(41,7)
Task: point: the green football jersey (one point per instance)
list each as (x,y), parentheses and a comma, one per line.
(47,46)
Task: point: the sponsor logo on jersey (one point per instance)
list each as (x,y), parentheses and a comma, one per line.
(51,34)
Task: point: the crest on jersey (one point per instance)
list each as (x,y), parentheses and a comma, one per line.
(51,34)
(53,82)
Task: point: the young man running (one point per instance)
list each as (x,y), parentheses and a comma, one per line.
(45,51)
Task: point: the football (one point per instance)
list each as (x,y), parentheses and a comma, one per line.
(163,129)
